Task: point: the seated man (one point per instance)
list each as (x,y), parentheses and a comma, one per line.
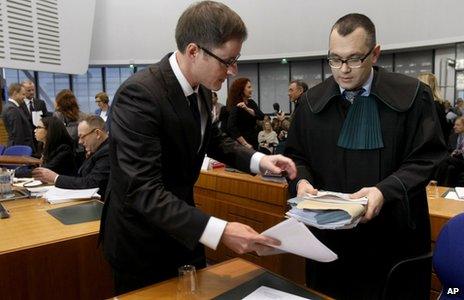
(95,170)
(450,171)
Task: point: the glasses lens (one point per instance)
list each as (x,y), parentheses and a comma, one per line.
(335,63)
(354,62)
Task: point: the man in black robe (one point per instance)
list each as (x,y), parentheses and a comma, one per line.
(376,134)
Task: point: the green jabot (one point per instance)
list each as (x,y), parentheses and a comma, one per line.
(361,129)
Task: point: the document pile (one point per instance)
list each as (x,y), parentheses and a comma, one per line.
(56,195)
(328,210)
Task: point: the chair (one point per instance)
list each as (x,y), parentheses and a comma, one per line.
(448,259)
(404,274)
(18,150)
(2,148)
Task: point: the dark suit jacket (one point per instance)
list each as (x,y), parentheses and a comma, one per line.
(18,126)
(39,105)
(94,172)
(149,222)
(61,160)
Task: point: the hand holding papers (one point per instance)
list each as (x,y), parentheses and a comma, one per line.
(296,238)
(56,195)
(328,210)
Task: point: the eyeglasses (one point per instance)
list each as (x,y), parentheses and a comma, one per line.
(354,62)
(88,133)
(228,63)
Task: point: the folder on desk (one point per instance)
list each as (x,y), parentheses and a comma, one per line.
(270,280)
(79,213)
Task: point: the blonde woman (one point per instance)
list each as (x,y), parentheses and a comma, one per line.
(267,138)
(430,79)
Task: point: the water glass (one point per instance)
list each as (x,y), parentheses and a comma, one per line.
(187,285)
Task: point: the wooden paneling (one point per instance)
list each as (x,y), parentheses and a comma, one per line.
(40,258)
(3,133)
(247,199)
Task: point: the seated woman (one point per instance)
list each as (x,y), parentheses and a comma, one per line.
(267,139)
(58,153)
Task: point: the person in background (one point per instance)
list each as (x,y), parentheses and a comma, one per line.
(161,130)
(296,88)
(216,107)
(430,80)
(95,170)
(67,110)
(244,113)
(15,119)
(267,139)
(58,146)
(102,101)
(370,133)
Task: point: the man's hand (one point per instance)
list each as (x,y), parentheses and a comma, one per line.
(44,175)
(304,187)
(241,239)
(374,202)
(276,164)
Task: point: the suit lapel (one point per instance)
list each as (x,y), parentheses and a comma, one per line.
(180,105)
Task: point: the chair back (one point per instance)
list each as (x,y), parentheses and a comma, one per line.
(2,148)
(448,258)
(404,274)
(18,150)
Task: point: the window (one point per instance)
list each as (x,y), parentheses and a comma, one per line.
(114,76)
(49,85)
(85,88)
(385,61)
(413,63)
(17,76)
(273,87)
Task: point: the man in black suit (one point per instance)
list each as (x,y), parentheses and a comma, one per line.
(32,104)
(17,125)
(95,170)
(160,131)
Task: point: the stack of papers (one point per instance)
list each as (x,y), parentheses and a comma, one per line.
(296,238)
(328,210)
(56,195)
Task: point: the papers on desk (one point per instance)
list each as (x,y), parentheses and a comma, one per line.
(57,195)
(328,210)
(264,292)
(296,238)
(459,193)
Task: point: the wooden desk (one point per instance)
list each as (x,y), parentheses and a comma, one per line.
(247,199)
(41,258)
(213,281)
(19,160)
(441,210)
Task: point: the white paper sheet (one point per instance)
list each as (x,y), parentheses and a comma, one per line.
(296,238)
(459,192)
(265,293)
(56,195)
(453,196)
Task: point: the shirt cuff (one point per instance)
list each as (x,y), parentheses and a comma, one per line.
(56,177)
(254,163)
(213,232)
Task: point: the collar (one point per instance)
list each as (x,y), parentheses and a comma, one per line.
(395,90)
(185,85)
(367,85)
(14,102)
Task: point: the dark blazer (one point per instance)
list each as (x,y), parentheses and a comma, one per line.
(61,160)
(149,222)
(38,105)
(241,123)
(94,172)
(18,126)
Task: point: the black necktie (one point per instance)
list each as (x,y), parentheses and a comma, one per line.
(350,95)
(31,107)
(193,101)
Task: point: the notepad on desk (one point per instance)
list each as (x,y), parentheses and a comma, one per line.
(58,195)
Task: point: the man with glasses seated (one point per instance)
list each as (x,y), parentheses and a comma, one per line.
(372,133)
(95,170)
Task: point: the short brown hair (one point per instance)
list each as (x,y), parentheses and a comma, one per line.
(235,95)
(209,24)
(95,122)
(66,103)
(14,88)
(103,97)
(350,22)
